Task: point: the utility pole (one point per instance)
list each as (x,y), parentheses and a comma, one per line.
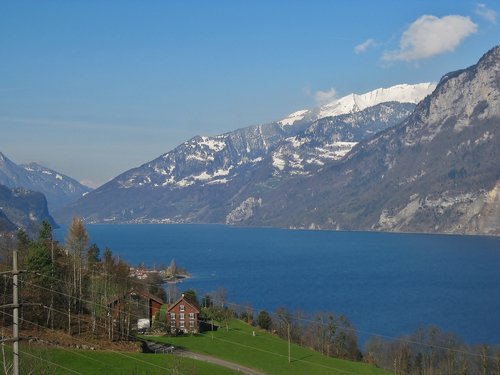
(15,314)
(289,351)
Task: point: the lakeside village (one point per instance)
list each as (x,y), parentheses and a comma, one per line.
(170,274)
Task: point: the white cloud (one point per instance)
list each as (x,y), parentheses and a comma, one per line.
(324,97)
(488,14)
(429,36)
(362,47)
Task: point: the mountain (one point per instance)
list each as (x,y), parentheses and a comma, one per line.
(21,208)
(5,224)
(437,171)
(59,189)
(331,138)
(353,103)
(203,179)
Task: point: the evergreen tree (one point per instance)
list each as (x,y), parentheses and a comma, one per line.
(264,320)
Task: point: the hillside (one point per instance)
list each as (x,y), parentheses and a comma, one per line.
(265,352)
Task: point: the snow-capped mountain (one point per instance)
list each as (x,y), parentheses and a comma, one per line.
(436,171)
(353,103)
(201,180)
(331,138)
(58,188)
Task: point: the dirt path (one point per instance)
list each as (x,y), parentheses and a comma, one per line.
(161,348)
(217,361)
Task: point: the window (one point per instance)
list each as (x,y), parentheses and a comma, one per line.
(172,316)
(191,323)
(191,315)
(172,323)
(182,324)
(181,316)
(181,307)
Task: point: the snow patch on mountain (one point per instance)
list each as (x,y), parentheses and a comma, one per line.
(291,118)
(213,143)
(354,103)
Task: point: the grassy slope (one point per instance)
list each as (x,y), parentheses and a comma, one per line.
(266,352)
(58,361)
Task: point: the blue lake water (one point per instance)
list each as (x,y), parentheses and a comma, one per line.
(387,284)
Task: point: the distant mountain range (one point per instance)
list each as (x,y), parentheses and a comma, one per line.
(203,179)
(376,161)
(59,189)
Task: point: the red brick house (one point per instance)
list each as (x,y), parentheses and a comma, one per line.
(183,316)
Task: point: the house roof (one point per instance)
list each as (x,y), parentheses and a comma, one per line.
(185,301)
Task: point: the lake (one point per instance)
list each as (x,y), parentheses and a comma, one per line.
(385,283)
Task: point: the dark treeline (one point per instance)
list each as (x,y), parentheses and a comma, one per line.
(431,351)
(68,286)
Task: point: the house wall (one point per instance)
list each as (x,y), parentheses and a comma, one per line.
(154,308)
(183,317)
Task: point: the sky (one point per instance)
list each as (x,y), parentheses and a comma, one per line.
(94,88)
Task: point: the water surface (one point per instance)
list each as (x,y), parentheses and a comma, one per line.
(385,283)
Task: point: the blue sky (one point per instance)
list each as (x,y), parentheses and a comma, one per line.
(93,88)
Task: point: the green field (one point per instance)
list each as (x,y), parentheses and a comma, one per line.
(265,352)
(74,361)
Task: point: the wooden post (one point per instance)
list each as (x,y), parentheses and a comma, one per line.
(289,352)
(15,314)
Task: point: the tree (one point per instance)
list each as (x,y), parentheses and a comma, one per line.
(45,232)
(207,301)
(93,255)
(483,359)
(155,286)
(76,245)
(172,269)
(190,296)
(264,320)
(39,266)
(23,243)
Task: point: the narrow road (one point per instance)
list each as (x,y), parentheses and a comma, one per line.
(217,361)
(161,348)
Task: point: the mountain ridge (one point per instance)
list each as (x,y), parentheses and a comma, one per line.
(352,103)
(196,181)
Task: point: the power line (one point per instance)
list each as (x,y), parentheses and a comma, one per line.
(297,318)
(408,341)
(282,355)
(105,349)
(347,328)
(224,340)
(303,319)
(62,347)
(400,339)
(52,363)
